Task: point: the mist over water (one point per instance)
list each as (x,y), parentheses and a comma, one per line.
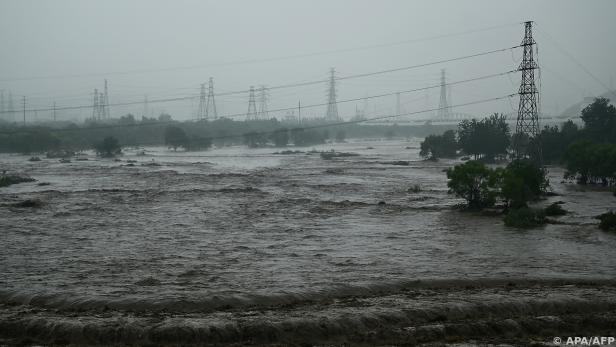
(238,225)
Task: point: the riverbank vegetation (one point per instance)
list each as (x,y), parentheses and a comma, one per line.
(588,153)
(486,140)
(514,186)
(199,135)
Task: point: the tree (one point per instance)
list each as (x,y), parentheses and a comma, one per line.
(280,137)
(340,135)
(474,182)
(439,146)
(255,139)
(521,181)
(129,119)
(164,117)
(176,137)
(198,143)
(109,147)
(307,137)
(591,162)
(486,139)
(600,120)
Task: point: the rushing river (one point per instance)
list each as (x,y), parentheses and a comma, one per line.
(247,247)
(236,224)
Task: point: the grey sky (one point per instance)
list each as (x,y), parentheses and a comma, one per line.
(111,39)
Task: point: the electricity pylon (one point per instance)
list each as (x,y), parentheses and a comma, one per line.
(526,140)
(210,108)
(252,108)
(332,106)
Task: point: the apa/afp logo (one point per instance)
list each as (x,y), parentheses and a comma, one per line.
(585,341)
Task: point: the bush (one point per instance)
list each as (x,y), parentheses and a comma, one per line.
(414,189)
(7,180)
(555,210)
(522,181)
(333,154)
(608,221)
(524,218)
(474,182)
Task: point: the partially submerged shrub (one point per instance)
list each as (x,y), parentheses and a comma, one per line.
(7,180)
(414,189)
(29,203)
(608,221)
(524,217)
(555,210)
(108,147)
(333,154)
(522,181)
(474,182)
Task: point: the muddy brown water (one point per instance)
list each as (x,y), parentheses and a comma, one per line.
(237,228)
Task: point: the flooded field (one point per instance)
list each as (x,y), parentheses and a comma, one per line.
(234,235)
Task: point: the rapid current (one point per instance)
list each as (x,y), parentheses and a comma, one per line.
(186,232)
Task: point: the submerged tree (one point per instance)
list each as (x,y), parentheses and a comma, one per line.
(176,137)
(108,147)
(439,146)
(474,182)
(485,139)
(280,137)
(521,181)
(255,139)
(600,120)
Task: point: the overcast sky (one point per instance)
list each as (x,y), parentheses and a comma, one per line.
(61,50)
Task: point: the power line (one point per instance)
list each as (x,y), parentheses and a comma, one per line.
(570,56)
(315,105)
(301,84)
(252,61)
(327,125)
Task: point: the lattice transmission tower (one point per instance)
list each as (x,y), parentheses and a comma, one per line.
(106,111)
(210,108)
(263,96)
(202,103)
(332,106)
(443,106)
(95,106)
(526,139)
(252,108)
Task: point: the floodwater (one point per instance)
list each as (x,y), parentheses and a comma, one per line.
(237,227)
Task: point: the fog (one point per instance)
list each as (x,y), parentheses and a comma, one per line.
(59,51)
(437,188)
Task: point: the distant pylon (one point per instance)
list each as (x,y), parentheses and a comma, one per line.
(146,107)
(332,106)
(95,106)
(106,111)
(526,141)
(11,106)
(443,106)
(210,108)
(54,111)
(252,108)
(262,103)
(202,104)
(2,106)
